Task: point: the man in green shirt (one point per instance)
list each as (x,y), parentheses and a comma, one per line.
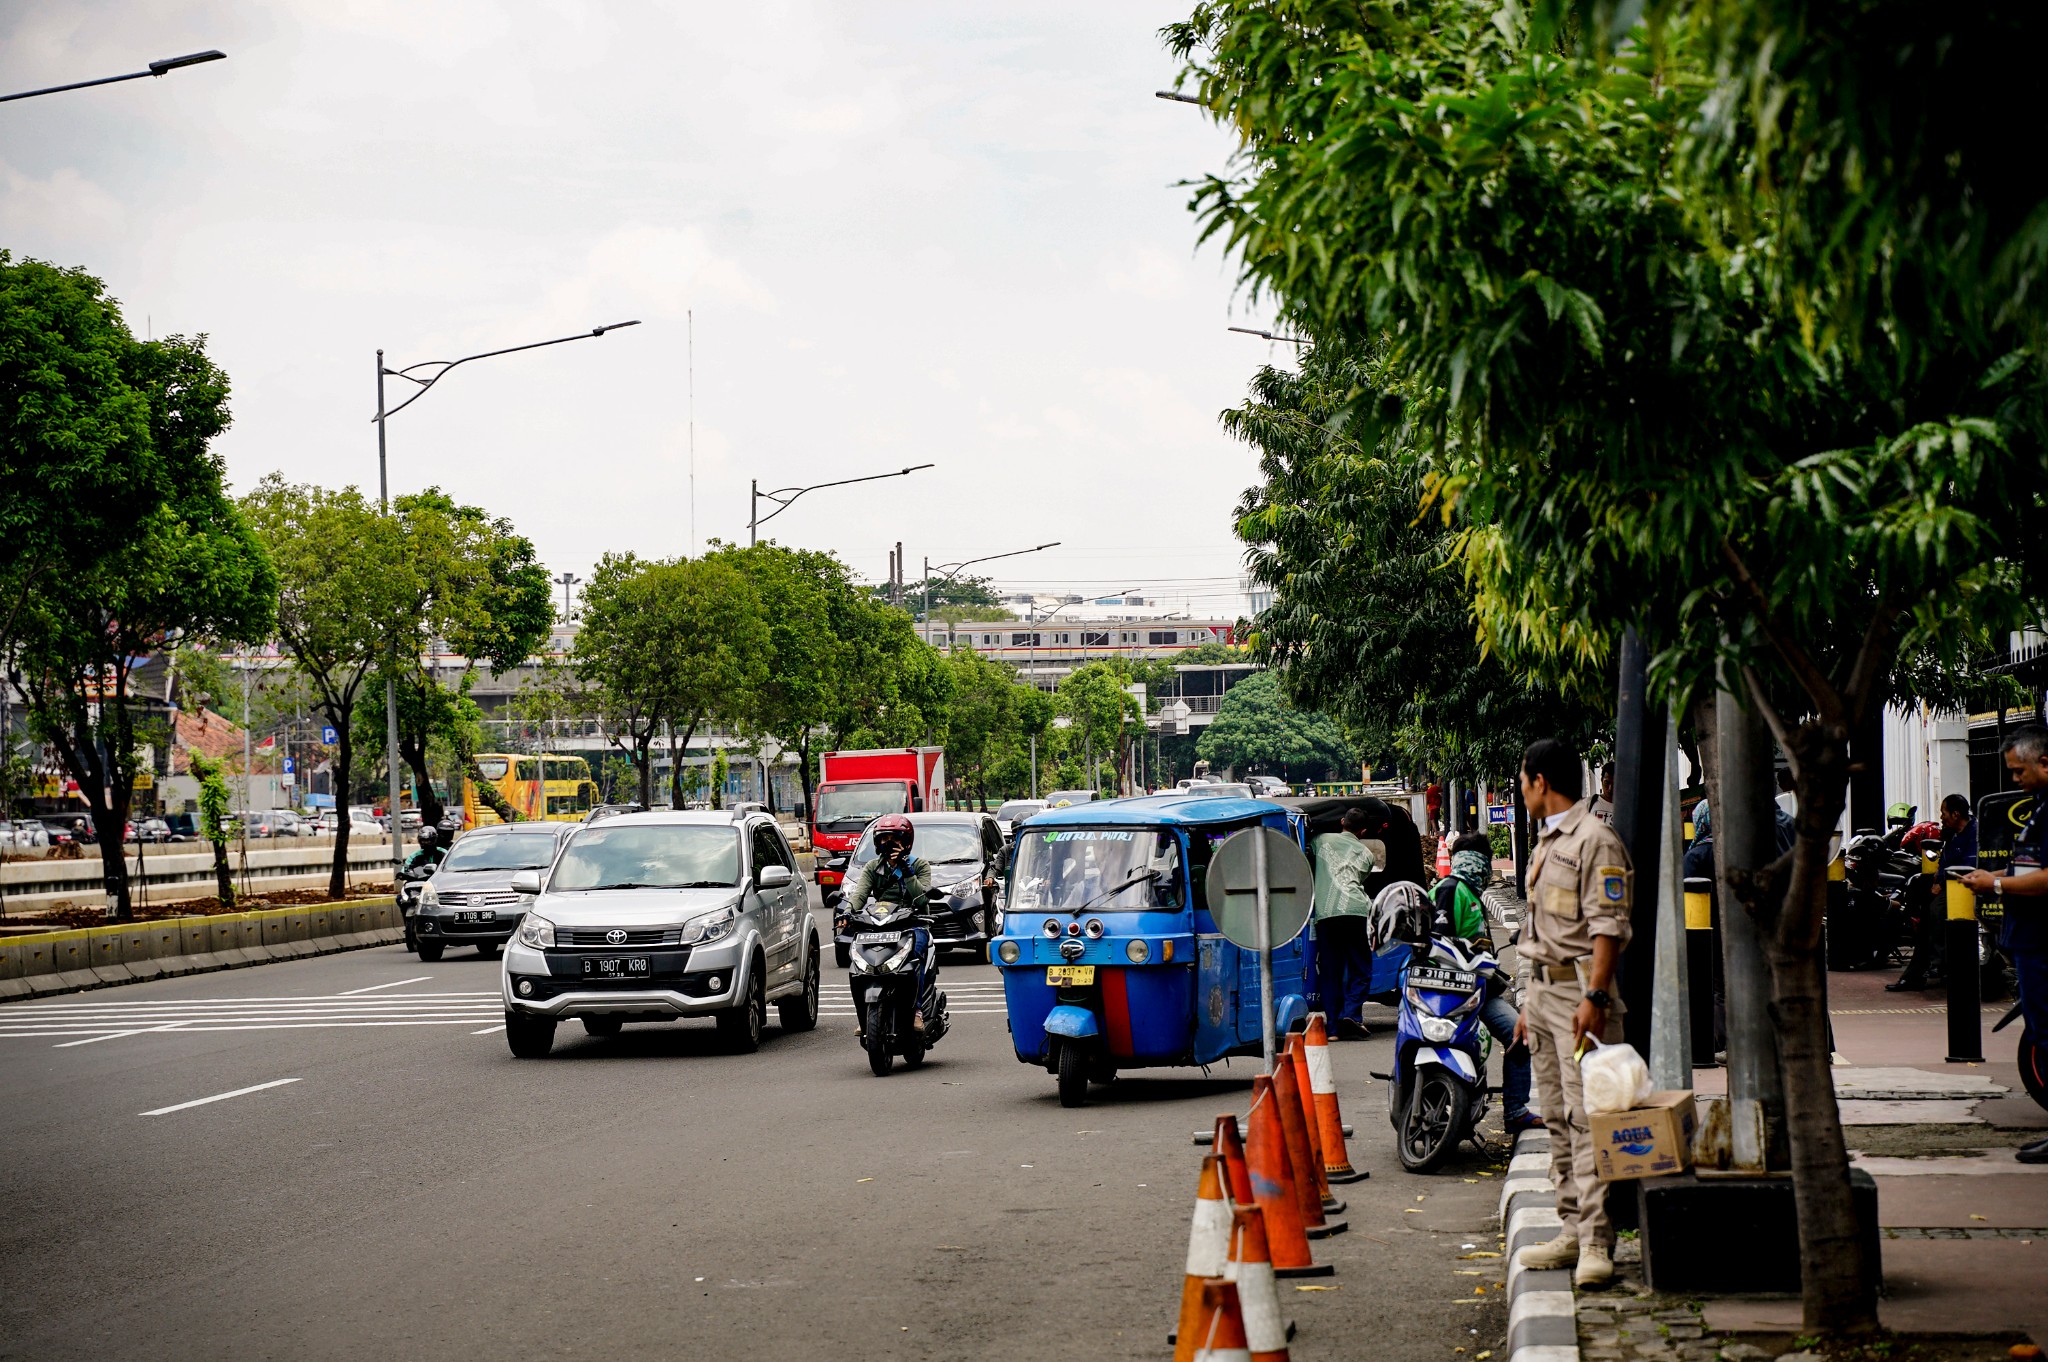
(1461,913)
(1342,909)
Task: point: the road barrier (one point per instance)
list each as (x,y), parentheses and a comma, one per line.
(1273,1186)
(37,886)
(96,957)
(1301,1164)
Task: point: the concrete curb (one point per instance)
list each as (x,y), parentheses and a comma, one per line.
(1542,1322)
(131,953)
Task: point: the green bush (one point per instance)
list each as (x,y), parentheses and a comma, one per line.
(1503,839)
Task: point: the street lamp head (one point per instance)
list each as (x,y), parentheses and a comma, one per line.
(614,326)
(164,64)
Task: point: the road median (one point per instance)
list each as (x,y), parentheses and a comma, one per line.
(38,965)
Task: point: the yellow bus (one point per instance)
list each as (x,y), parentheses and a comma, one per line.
(544,788)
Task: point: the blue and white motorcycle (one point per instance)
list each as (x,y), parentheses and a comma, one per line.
(1436,1094)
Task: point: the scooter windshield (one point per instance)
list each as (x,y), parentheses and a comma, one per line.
(1063,869)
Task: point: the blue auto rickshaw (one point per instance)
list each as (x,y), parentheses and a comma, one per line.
(1110,959)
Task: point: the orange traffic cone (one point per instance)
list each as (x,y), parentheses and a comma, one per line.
(1294,1130)
(1322,1085)
(1208,1256)
(1297,1055)
(1258,1296)
(1273,1186)
(1237,1177)
(1443,857)
(1223,1338)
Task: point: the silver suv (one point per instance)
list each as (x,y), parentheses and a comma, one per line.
(655,916)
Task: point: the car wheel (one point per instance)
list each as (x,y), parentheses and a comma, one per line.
(603,1026)
(430,951)
(742,1026)
(801,1012)
(842,956)
(529,1037)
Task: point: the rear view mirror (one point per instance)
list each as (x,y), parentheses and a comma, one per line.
(526,882)
(773,876)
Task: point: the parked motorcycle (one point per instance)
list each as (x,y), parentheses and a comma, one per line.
(1436,1094)
(886,962)
(2033,1057)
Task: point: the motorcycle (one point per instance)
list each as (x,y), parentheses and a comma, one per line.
(1436,1094)
(886,964)
(2033,1057)
(411,880)
(1878,921)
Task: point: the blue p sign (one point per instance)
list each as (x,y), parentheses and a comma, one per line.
(328,735)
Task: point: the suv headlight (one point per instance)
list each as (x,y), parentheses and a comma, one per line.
(536,931)
(711,927)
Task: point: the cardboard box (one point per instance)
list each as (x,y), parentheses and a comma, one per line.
(1648,1141)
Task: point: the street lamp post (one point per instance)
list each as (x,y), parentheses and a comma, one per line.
(958,568)
(567,581)
(785,497)
(412,374)
(161,66)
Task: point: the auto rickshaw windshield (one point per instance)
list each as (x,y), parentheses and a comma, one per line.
(1062,869)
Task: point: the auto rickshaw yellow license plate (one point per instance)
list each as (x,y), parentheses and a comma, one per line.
(1069,975)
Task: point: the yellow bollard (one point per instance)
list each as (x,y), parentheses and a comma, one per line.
(1965,1005)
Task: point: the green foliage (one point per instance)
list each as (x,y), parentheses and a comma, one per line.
(216,817)
(989,721)
(972,595)
(721,771)
(1257,730)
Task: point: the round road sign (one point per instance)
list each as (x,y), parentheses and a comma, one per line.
(1232,889)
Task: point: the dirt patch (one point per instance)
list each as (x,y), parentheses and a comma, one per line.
(209,906)
(1928,1142)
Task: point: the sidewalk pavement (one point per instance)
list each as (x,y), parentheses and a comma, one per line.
(1964,1226)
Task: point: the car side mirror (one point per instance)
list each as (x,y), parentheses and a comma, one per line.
(773,876)
(526,882)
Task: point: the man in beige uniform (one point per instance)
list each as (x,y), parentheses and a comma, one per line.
(1573,934)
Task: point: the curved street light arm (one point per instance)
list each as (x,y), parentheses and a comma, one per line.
(161,66)
(783,503)
(958,568)
(443,366)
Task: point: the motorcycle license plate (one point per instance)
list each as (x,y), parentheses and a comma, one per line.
(1435,976)
(1069,975)
(617,967)
(478,915)
(876,938)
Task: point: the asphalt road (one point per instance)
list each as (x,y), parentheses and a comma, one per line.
(405,1188)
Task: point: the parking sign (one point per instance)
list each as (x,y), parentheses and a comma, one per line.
(328,735)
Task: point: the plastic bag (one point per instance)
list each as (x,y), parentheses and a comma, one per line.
(1614,1078)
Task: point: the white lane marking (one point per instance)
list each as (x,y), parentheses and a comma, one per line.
(138,1031)
(489,1030)
(219,1097)
(395,983)
(12,1009)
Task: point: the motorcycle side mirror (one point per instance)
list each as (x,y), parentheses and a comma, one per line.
(526,882)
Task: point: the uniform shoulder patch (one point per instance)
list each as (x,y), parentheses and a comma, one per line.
(1613,883)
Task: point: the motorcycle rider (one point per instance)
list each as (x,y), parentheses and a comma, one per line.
(2022,888)
(896,876)
(431,852)
(1461,913)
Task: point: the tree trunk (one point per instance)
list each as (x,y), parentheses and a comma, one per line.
(643,744)
(344,758)
(415,757)
(1839,1288)
(803,767)
(223,877)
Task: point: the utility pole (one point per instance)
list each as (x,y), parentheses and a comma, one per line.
(690,321)
(390,676)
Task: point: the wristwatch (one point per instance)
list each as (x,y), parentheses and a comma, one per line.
(1600,998)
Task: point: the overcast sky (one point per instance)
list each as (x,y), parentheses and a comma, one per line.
(909,233)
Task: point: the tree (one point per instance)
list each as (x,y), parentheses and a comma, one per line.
(80,470)
(344,583)
(1100,713)
(894,686)
(192,565)
(1256,728)
(215,815)
(971,594)
(674,642)
(983,721)
(1670,395)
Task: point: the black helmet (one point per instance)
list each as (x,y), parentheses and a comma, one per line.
(427,836)
(1400,913)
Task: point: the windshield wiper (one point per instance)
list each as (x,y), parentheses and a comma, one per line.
(1148,873)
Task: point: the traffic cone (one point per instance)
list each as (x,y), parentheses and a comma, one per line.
(1223,1337)
(1238,1177)
(1297,1055)
(1443,857)
(1329,1119)
(1208,1256)
(1258,1296)
(1272,1178)
(1294,1130)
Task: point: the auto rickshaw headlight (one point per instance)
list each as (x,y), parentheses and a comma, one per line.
(1095,929)
(1139,951)
(1008,952)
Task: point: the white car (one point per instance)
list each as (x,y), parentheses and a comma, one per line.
(1015,811)
(24,835)
(659,916)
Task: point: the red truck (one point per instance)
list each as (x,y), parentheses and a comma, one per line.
(855,788)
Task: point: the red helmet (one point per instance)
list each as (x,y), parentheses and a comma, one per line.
(895,825)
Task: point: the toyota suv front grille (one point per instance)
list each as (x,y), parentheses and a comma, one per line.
(613,938)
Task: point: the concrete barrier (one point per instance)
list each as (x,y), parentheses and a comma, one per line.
(96,957)
(168,873)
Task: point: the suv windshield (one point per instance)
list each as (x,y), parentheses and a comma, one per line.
(650,856)
(856,805)
(1064,868)
(939,843)
(505,851)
